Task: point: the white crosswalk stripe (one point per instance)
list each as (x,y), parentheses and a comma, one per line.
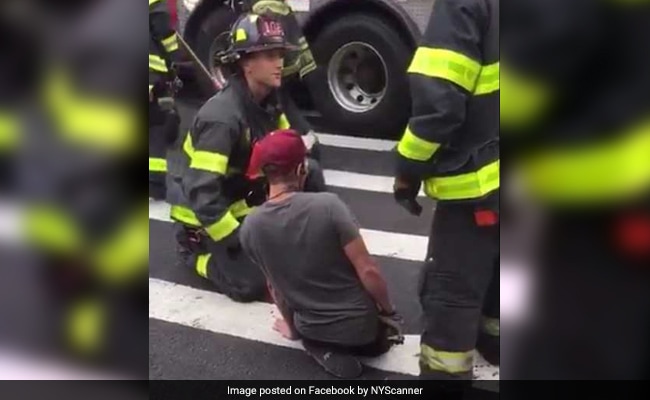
(194,308)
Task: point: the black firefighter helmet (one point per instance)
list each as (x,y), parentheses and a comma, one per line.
(253,33)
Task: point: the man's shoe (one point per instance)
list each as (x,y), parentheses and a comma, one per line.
(340,365)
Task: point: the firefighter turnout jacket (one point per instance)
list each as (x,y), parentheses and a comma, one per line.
(207,186)
(163,43)
(452,139)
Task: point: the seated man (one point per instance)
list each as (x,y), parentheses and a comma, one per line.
(329,290)
(208,191)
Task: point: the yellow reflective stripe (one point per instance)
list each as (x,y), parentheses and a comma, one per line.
(202,265)
(523,99)
(125,254)
(308,63)
(592,173)
(184,215)
(446,64)
(446,361)
(415,148)
(490,326)
(488,80)
(240,209)
(156,63)
(8,131)
(222,228)
(86,324)
(171,43)
(466,186)
(157,164)
(283,122)
(290,69)
(50,228)
(153,2)
(205,160)
(99,122)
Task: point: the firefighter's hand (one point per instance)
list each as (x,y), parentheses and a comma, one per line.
(405,192)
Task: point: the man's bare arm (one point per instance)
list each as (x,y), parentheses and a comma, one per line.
(369,273)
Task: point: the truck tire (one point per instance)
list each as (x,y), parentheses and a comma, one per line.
(215,23)
(361,85)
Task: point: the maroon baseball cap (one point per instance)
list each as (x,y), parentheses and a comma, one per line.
(283,148)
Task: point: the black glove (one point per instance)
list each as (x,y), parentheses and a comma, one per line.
(257,193)
(406,195)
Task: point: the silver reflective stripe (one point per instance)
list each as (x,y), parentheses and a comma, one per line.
(490,326)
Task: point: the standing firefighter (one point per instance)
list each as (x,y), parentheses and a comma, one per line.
(209,192)
(163,121)
(452,145)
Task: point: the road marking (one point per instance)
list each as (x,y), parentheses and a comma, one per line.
(353,180)
(213,312)
(380,243)
(351,142)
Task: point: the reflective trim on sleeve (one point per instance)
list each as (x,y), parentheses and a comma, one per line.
(222,228)
(184,215)
(157,164)
(205,160)
(446,361)
(202,265)
(171,43)
(124,255)
(156,63)
(471,185)
(490,326)
(153,2)
(592,173)
(415,148)
(446,64)
(50,228)
(488,80)
(283,122)
(102,123)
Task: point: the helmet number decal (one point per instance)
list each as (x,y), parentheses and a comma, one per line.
(270,28)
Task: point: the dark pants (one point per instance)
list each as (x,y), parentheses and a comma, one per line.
(461,267)
(593,306)
(231,272)
(163,129)
(373,349)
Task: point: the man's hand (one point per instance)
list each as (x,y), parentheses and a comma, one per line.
(405,192)
(394,323)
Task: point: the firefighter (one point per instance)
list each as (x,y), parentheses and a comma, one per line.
(451,147)
(298,65)
(163,119)
(83,213)
(581,142)
(209,192)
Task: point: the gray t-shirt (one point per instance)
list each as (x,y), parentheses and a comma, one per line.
(299,243)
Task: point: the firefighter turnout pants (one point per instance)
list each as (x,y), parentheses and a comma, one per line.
(163,130)
(459,289)
(231,272)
